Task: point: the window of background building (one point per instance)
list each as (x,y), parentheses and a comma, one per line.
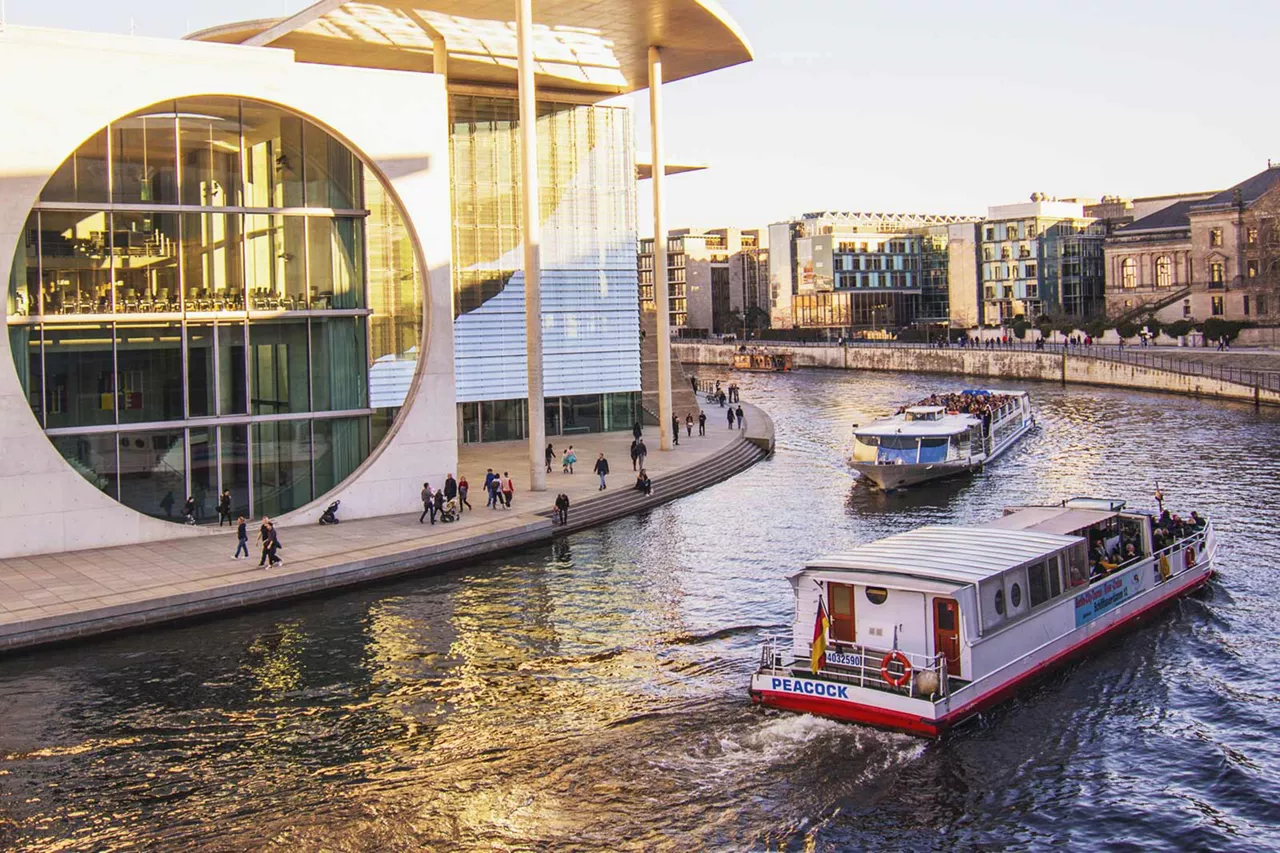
(1215,237)
(1216,306)
(1245,304)
(1186,308)
(1217,275)
(1251,269)
(1164,271)
(1128,273)
(1251,236)
(1261,304)
(990,234)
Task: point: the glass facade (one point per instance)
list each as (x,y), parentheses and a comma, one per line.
(201,300)
(591,322)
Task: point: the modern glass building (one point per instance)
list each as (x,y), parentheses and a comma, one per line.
(591,322)
(207,296)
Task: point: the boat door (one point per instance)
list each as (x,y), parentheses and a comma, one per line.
(946,633)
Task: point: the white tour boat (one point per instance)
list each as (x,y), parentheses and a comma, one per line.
(921,630)
(940,437)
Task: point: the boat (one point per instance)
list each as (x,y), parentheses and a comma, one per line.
(923,630)
(761,361)
(941,436)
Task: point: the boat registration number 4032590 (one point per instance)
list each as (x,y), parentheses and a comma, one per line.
(1107,596)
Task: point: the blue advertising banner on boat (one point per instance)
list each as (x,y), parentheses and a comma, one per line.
(1108,595)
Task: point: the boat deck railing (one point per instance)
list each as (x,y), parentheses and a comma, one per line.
(865,666)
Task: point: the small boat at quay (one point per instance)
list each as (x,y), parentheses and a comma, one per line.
(761,361)
(941,436)
(922,630)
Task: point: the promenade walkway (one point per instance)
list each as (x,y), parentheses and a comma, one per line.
(54,597)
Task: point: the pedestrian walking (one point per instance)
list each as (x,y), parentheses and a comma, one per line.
(569,458)
(450,487)
(224,507)
(688,425)
(602,468)
(702,422)
(508,489)
(437,505)
(635,454)
(742,420)
(636,431)
(463,487)
(675,429)
(642,453)
(732,418)
(427,500)
(242,538)
(494,488)
(489,477)
(720,398)
(189,511)
(264,537)
(551,456)
(562,509)
(273,547)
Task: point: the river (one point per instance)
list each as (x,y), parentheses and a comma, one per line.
(592,694)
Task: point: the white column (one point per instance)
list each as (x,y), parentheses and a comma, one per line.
(661,289)
(529,222)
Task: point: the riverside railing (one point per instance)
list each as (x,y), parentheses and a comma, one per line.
(1138,356)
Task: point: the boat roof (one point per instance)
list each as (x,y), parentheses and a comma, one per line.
(960,555)
(925,410)
(898,425)
(1050,519)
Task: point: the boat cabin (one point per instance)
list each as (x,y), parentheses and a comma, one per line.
(925,413)
(960,602)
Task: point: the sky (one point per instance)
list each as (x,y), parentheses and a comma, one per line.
(937,106)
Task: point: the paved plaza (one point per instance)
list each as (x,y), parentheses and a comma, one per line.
(58,596)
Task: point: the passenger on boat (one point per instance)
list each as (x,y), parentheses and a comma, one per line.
(1075,577)
(1197,521)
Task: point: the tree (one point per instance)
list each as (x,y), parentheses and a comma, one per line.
(1127,329)
(1019,327)
(1179,328)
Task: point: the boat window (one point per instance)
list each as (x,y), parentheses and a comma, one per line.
(898,450)
(840,603)
(1000,601)
(1055,577)
(1015,596)
(869,440)
(1037,584)
(945,618)
(877,594)
(933,449)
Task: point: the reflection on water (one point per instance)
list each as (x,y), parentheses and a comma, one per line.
(592,694)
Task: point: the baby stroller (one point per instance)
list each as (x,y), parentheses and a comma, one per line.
(330,515)
(450,511)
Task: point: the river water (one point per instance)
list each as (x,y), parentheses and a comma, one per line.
(592,694)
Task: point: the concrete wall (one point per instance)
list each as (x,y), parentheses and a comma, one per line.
(62,88)
(1039,366)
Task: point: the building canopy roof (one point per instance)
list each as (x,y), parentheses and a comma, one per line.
(594,47)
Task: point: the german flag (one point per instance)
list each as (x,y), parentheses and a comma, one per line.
(821,626)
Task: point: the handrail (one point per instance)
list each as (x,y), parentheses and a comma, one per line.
(1138,356)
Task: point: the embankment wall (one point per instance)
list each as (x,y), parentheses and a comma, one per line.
(1040,366)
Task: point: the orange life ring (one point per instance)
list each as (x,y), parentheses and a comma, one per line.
(1191,556)
(892,680)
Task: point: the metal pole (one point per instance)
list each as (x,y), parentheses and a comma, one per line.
(661,289)
(531,226)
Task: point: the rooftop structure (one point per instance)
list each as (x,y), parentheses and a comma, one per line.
(595,48)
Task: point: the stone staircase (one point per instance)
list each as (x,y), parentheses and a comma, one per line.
(737,456)
(683,400)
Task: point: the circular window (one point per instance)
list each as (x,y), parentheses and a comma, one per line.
(222,259)
(877,594)
(1015,595)
(1000,601)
